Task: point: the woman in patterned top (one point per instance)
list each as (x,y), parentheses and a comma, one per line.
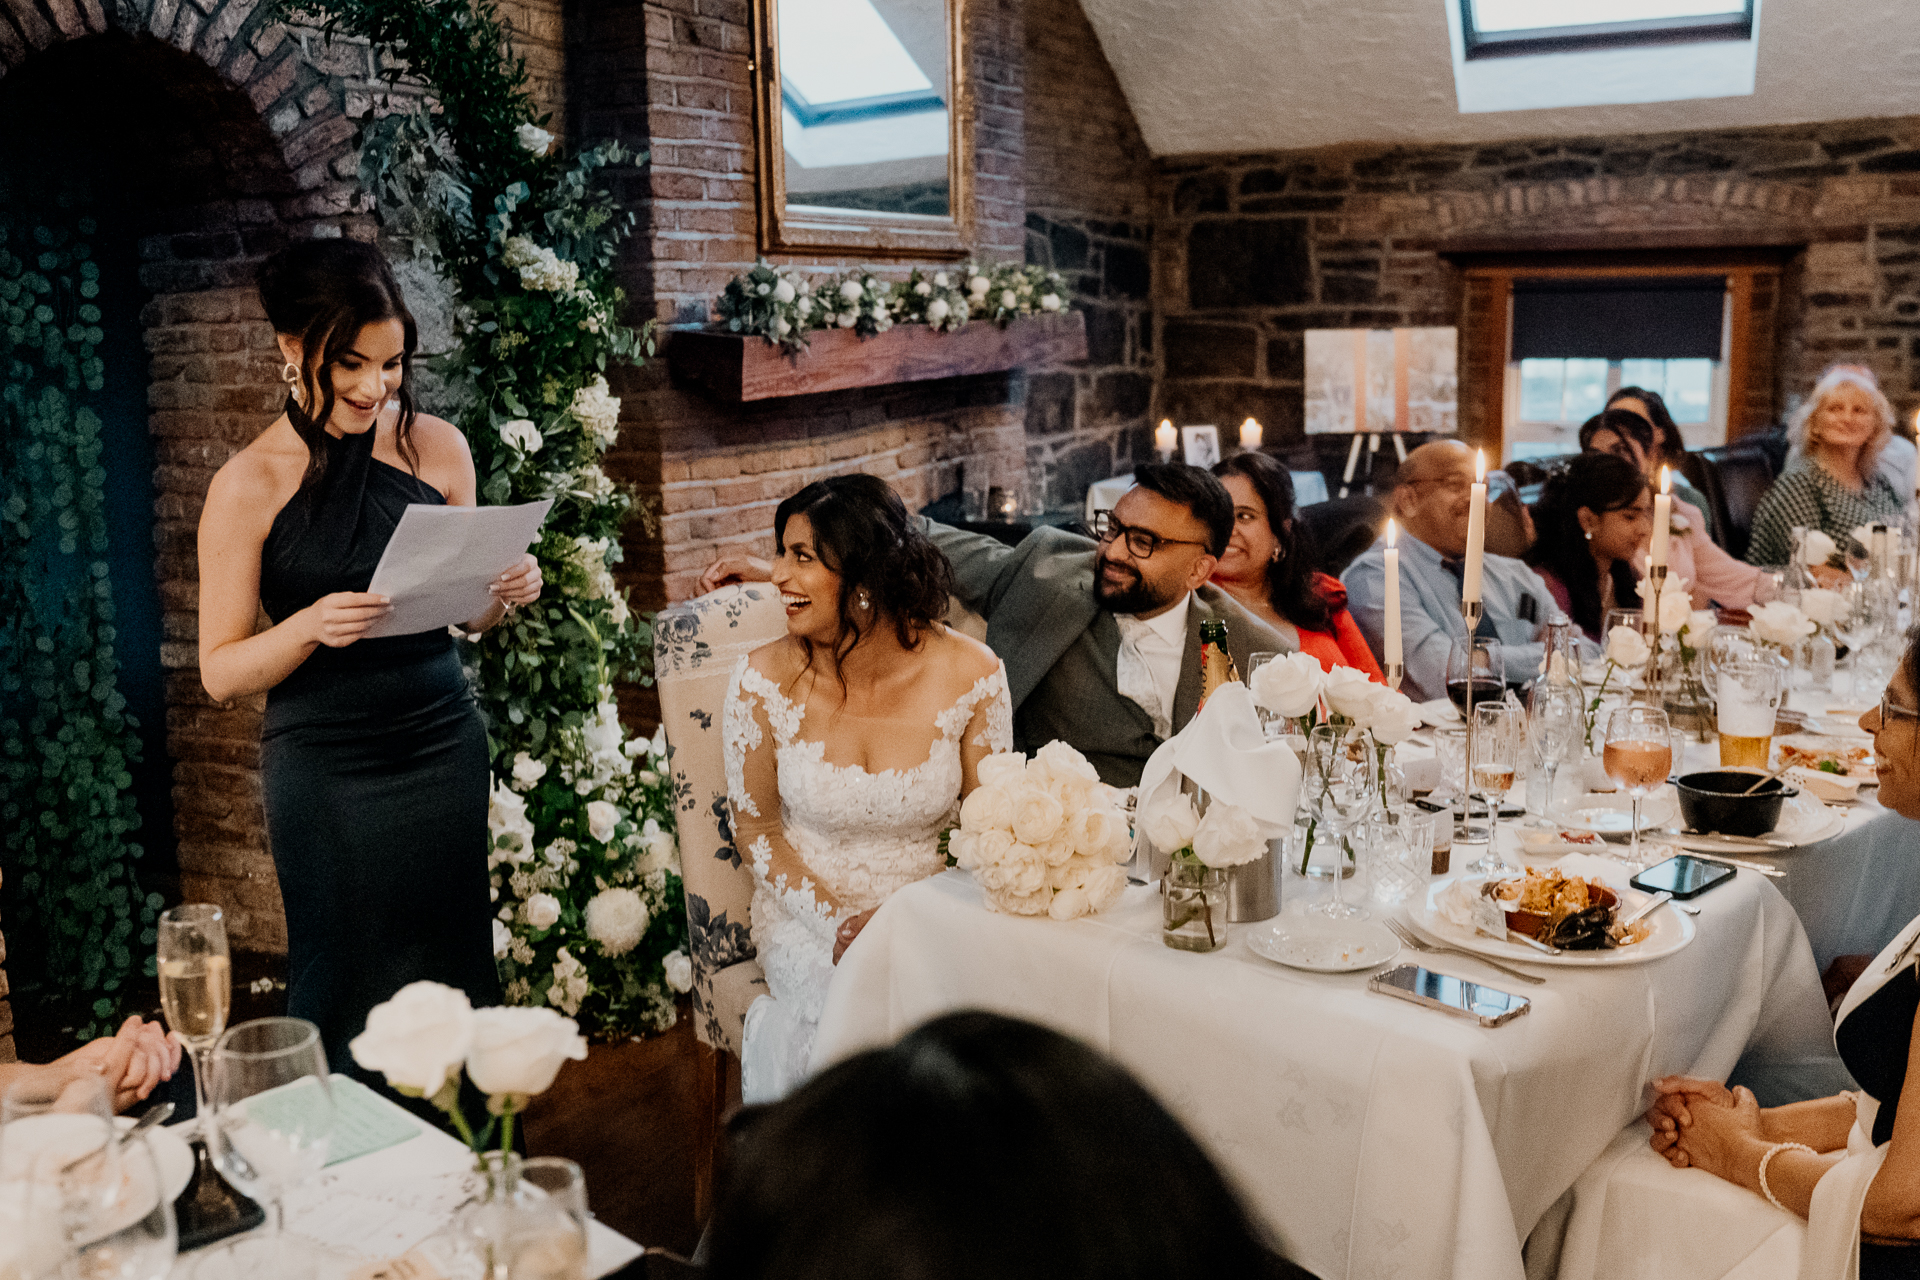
(1831,482)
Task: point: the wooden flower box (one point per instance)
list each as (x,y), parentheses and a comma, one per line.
(738,369)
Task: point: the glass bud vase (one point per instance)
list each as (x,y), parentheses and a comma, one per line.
(1195,899)
(486,1225)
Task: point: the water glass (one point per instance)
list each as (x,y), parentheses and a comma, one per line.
(1399,853)
(1272,725)
(549,1227)
(1556,724)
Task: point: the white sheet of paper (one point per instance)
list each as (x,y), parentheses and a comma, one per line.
(440,561)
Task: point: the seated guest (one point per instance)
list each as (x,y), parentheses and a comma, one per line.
(131,1062)
(1630,435)
(1268,567)
(1898,461)
(1669,447)
(1101,636)
(979,1147)
(1832,482)
(1594,517)
(1712,576)
(1854,1148)
(1431,496)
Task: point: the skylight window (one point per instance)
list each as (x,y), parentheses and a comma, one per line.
(836,51)
(1506,28)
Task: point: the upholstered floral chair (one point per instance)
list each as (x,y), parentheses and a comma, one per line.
(695,646)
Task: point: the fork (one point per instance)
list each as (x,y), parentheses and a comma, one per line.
(1418,944)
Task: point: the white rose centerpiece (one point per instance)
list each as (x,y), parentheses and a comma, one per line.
(1043,836)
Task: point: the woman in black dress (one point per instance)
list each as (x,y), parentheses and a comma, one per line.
(373,757)
(1701,1124)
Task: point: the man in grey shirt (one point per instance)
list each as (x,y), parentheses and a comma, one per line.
(1431,497)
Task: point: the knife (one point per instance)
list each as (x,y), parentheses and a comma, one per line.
(1656,900)
(1755,843)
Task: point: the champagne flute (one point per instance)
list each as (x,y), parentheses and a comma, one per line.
(1554,727)
(1495,761)
(1340,791)
(196,985)
(1638,755)
(274,1106)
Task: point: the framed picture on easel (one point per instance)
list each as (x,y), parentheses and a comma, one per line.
(1200,446)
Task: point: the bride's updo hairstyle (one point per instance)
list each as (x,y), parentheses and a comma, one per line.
(864,533)
(323,293)
(979,1147)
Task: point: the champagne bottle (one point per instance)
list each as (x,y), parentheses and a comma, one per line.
(1216,664)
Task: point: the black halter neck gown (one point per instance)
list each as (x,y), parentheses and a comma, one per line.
(374,764)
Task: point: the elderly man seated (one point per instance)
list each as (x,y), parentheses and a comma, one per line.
(1431,495)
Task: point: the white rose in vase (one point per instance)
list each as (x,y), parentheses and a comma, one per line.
(1817,548)
(1626,647)
(518,1051)
(1171,824)
(1393,717)
(1349,692)
(418,1038)
(1228,836)
(1676,607)
(1699,623)
(1777,622)
(1289,686)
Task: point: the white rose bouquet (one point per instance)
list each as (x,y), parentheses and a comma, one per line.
(1043,836)
(423,1038)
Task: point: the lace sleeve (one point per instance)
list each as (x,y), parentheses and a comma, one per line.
(989,731)
(756,718)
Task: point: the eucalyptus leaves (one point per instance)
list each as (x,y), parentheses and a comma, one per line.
(783,306)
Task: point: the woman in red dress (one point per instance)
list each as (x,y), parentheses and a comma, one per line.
(1268,567)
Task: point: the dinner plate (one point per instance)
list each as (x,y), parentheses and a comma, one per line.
(1804,820)
(31,1146)
(1612,815)
(1672,930)
(1324,946)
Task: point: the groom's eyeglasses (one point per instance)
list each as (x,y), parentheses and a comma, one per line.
(1891,710)
(1141,542)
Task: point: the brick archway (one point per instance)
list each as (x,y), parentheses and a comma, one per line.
(230,135)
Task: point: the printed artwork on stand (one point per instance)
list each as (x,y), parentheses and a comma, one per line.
(1370,381)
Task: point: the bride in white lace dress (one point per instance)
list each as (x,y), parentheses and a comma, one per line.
(849,746)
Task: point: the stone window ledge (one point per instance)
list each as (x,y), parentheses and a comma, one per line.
(737,369)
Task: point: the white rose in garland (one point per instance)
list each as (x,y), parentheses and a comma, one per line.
(522,435)
(534,138)
(602,820)
(679,971)
(543,911)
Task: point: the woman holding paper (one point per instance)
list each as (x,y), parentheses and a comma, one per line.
(373,757)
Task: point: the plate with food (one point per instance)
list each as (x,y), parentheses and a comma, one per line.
(1324,946)
(1571,905)
(1552,842)
(1845,757)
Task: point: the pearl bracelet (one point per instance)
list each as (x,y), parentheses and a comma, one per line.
(1773,1151)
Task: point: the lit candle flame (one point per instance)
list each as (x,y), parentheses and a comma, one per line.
(1393,534)
(1479,466)
(1666,481)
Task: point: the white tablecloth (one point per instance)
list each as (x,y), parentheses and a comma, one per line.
(1378,1138)
(383,1203)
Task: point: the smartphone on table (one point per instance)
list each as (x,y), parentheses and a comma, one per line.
(1489,1006)
(1683,876)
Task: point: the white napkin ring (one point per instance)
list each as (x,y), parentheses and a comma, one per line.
(1773,1151)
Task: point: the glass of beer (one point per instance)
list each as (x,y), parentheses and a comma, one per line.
(1638,756)
(1748,695)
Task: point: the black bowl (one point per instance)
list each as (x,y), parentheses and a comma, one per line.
(1712,801)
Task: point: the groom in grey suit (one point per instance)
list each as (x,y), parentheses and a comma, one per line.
(1102,638)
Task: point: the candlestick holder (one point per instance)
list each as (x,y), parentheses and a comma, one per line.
(1166,455)
(1471,612)
(1656,581)
(1395,672)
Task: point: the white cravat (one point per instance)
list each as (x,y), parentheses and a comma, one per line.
(1147,669)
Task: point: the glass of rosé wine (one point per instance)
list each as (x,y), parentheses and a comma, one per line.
(1638,755)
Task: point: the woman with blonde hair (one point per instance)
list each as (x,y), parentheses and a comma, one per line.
(1832,482)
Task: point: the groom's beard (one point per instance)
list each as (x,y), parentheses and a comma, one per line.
(1131,593)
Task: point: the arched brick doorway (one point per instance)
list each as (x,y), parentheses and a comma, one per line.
(206,139)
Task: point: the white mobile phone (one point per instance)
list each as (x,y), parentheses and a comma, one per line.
(1488,1006)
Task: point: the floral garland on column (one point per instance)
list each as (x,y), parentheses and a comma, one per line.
(67,740)
(584,864)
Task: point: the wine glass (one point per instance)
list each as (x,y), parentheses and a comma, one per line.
(1476,673)
(1340,792)
(1496,752)
(274,1107)
(1638,755)
(1555,724)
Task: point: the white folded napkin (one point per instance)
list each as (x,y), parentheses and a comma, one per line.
(1227,754)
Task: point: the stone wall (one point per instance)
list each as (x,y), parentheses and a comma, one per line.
(1251,250)
(1089,216)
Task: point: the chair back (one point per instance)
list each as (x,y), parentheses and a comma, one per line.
(1741,476)
(696,644)
(1342,528)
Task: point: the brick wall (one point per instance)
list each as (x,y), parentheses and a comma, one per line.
(1089,216)
(673,78)
(1252,250)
